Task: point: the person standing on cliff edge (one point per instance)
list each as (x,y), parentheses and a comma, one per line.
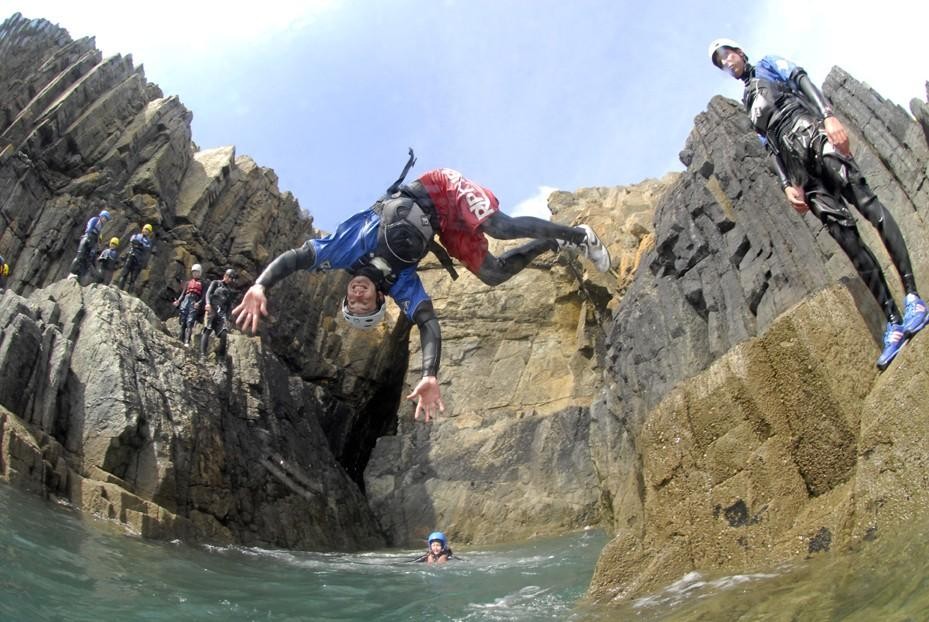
(809,148)
(218,300)
(87,247)
(382,246)
(140,250)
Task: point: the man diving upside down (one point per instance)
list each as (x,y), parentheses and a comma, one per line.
(382,246)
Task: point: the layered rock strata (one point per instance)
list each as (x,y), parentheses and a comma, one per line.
(730,259)
(81,133)
(511,457)
(104,408)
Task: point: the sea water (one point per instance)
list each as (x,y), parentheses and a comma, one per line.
(56,564)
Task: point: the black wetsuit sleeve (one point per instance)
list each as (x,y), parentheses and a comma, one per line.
(287,263)
(430,337)
(812,93)
(210,290)
(781,170)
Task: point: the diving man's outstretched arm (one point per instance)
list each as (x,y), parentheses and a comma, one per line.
(427,392)
(254,305)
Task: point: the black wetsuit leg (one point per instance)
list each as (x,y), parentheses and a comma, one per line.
(504,227)
(221,328)
(849,240)
(218,325)
(190,319)
(184,311)
(496,270)
(85,250)
(127,271)
(841,175)
(205,338)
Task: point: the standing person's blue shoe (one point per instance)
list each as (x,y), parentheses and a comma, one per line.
(894,339)
(915,314)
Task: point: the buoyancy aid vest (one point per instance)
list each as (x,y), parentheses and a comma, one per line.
(406,234)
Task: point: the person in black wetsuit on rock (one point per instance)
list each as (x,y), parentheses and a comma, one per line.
(107,261)
(219,298)
(809,148)
(140,251)
(382,246)
(87,247)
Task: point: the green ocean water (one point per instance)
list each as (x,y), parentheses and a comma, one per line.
(56,564)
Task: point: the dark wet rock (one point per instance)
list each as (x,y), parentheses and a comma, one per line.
(111,413)
(734,377)
(80,133)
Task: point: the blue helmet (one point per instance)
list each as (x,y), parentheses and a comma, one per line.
(105,214)
(438,535)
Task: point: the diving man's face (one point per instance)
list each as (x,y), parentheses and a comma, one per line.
(361,297)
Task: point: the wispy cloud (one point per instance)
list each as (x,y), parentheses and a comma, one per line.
(882,44)
(536,205)
(170,30)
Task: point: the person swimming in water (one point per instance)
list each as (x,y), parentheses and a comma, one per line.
(438,550)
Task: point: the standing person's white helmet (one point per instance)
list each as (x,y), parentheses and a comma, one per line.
(722,43)
(196,268)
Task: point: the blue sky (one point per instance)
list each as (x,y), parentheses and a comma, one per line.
(522,96)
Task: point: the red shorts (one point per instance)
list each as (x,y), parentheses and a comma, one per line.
(462,206)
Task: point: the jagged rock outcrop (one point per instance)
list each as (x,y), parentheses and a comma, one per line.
(102,406)
(777,451)
(511,457)
(81,133)
(712,401)
(745,462)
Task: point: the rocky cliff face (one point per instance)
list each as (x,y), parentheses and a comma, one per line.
(512,457)
(104,408)
(81,133)
(773,440)
(789,445)
(712,401)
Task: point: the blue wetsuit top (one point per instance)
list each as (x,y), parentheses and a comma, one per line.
(777,92)
(94,226)
(354,239)
(354,242)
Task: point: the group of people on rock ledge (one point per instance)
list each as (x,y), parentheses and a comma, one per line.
(100,266)
(210,305)
(382,246)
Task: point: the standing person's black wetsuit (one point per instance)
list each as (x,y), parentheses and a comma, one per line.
(140,250)
(87,247)
(809,150)
(107,261)
(219,298)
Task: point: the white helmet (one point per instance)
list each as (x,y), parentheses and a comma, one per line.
(364,322)
(196,268)
(721,43)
